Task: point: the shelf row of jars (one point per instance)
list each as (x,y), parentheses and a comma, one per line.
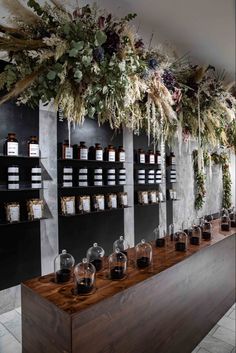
(150,197)
(11,146)
(96,153)
(172,194)
(96,177)
(149,157)
(152,176)
(35,210)
(13,177)
(228,219)
(71,205)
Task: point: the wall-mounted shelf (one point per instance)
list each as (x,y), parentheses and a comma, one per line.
(2,156)
(24,188)
(89,161)
(4,224)
(94,212)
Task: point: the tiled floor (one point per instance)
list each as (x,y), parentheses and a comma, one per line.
(221,339)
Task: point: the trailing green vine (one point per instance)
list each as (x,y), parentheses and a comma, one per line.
(200,178)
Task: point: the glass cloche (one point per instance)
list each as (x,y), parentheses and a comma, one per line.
(225,220)
(160,236)
(63,265)
(122,245)
(207,230)
(232,216)
(95,255)
(117,265)
(171,231)
(196,236)
(84,277)
(143,253)
(181,241)
(187,228)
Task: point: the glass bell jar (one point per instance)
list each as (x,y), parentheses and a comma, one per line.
(143,253)
(95,255)
(181,241)
(117,265)
(63,265)
(196,236)
(171,231)
(187,228)
(207,230)
(232,216)
(225,220)
(122,245)
(160,236)
(84,277)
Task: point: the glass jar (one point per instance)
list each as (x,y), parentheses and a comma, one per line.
(158,158)
(13,177)
(207,230)
(141,156)
(84,277)
(117,265)
(98,152)
(11,145)
(121,154)
(36,177)
(95,255)
(172,159)
(143,253)
(171,231)
(63,265)
(232,216)
(111,153)
(122,245)
(196,236)
(150,158)
(83,151)
(33,147)
(67,150)
(159,236)
(181,241)
(225,220)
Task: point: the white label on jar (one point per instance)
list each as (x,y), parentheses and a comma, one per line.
(122,171)
(158,172)
(173,160)
(141,181)
(14,214)
(158,159)
(13,169)
(84,154)
(124,200)
(97,177)
(36,185)
(37,211)
(111,182)
(83,171)
(114,201)
(101,204)
(70,207)
(111,171)
(158,181)
(173,180)
(142,158)
(150,181)
(99,155)
(66,177)
(67,184)
(122,177)
(140,177)
(122,182)
(83,177)
(98,171)
(68,153)
(13,186)
(36,177)
(13,177)
(86,205)
(36,170)
(33,150)
(153,197)
(98,183)
(145,197)
(83,183)
(151,177)
(12,148)
(121,156)
(67,170)
(151,159)
(111,177)
(151,172)
(141,171)
(111,156)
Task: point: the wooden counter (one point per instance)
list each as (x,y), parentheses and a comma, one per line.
(166,309)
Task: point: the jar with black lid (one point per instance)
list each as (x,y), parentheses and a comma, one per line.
(67,177)
(111,177)
(83,177)
(98,177)
(36,177)
(11,145)
(13,177)
(122,176)
(158,158)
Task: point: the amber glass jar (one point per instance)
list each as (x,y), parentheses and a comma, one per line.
(11,145)
(110,153)
(33,147)
(67,150)
(158,158)
(172,159)
(83,151)
(121,154)
(150,157)
(98,152)
(141,156)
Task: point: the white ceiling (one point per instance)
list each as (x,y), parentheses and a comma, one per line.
(205,28)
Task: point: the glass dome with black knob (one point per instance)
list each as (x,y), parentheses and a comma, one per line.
(196,236)
(160,237)
(95,255)
(232,216)
(143,253)
(117,265)
(84,277)
(181,241)
(63,265)
(122,245)
(225,220)
(207,230)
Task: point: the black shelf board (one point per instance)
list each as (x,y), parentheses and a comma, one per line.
(91,187)
(5,189)
(154,166)
(4,224)
(148,204)
(89,161)
(174,200)
(94,212)
(20,157)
